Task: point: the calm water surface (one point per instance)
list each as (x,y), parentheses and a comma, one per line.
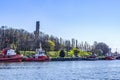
(67,70)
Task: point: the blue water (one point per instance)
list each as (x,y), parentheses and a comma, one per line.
(67,70)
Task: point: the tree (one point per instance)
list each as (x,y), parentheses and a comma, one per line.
(51,45)
(62,53)
(98,52)
(102,46)
(76,52)
(57,44)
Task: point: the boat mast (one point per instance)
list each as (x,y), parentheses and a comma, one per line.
(40,46)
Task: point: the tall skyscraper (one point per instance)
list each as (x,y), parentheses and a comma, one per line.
(36,32)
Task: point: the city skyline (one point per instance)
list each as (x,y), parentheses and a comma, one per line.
(84,20)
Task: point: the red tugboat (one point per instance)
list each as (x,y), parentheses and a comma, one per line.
(39,56)
(9,55)
(92,57)
(109,56)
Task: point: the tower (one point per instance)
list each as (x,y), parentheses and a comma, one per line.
(36,32)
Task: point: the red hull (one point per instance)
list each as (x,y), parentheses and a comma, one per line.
(109,58)
(14,58)
(39,59)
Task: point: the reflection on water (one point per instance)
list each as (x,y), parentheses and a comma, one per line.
(67,70)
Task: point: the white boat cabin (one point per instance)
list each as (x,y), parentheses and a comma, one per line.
(11,52)
(39,52)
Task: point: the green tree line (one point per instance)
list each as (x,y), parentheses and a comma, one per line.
(21,39)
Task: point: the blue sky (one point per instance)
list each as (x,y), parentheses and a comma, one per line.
(85,20)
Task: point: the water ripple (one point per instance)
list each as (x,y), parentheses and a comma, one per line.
(71,70)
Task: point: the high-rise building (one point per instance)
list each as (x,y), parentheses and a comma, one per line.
(36,32)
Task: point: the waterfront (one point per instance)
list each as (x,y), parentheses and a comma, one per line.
(66,70)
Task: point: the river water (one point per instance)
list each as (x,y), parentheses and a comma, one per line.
(66,70)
